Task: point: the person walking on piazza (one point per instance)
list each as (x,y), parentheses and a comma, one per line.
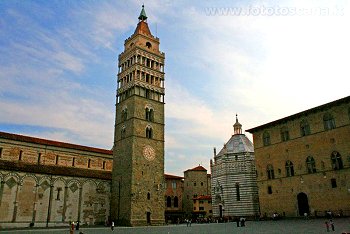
(242,222)
(112,226)
(237,221)
(77,226)
(71,228)
(332,224)
(327,225)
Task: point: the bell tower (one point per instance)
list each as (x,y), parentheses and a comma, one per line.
(138,151)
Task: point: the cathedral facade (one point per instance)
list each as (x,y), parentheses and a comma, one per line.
(48,183)
(233,178)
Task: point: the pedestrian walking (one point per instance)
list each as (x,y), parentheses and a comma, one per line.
(332,224)
(327,225)
(71,228)
(237,221)
(112,226)
(242,222)
(77,226)
(329,214)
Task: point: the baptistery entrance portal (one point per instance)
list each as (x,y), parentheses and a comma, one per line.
(220,211)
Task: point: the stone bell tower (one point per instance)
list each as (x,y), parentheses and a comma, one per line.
(138,166)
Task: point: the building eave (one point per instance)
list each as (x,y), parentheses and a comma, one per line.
(300,114)
(45,142)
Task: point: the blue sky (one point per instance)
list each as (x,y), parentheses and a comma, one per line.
(261,59)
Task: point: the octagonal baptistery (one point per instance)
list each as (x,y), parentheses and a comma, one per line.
(234,188)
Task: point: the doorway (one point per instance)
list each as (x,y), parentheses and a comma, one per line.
(303,204)
(220,211)
(148,217)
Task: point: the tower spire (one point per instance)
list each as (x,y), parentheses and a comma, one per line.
(142,26)
(143,15)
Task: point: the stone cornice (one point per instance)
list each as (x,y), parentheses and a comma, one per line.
(55,170)
(159,57)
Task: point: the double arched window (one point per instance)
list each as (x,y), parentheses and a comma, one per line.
(284,134)
(289,169)
(310,165)
(304,128)
(337,162)
(328,121)
(266,138)
(270,172)
(168,202)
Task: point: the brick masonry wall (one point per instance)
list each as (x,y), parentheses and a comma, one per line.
(195,183)
(320,144)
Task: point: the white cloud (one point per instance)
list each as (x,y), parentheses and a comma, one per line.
(262,68)
(262,62)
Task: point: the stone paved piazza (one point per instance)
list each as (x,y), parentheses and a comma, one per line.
(342,225)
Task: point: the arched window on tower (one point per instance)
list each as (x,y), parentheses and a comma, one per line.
(149,132)
(328,121)
(337,162)
(289,169)
(149,114)
(266,138)
(270,172)
(310,165)
(149,45)
(124,114)
(168,201)
(304,128)
(148,196)
(123,132)
(176,202)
